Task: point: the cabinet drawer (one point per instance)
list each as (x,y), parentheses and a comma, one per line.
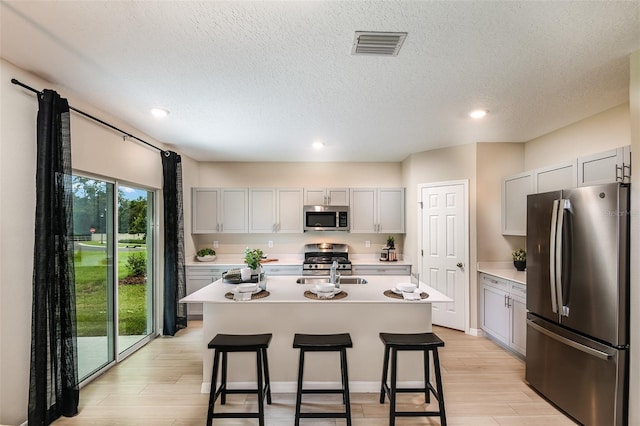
(282,270)
(518,290)
(494,281)
(382,269)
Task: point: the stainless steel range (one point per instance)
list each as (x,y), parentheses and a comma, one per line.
(318,258)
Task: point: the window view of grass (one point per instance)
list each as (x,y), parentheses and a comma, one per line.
(93,227)
(91,290)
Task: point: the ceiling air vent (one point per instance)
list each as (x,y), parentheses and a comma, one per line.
(377,43)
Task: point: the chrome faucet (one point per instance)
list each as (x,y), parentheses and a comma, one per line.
(333,272)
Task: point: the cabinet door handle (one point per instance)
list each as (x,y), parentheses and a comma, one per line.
(620,176)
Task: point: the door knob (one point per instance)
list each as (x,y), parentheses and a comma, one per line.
(459,264)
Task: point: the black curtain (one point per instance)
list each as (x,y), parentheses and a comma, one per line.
(53,385)
(175,287)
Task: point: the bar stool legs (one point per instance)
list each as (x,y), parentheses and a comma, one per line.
(323,343)
(225,343)
(427,343)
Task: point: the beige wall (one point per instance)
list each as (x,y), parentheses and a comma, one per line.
(441,165)
(95,149)
(495,161)
(601,132)
(300,175)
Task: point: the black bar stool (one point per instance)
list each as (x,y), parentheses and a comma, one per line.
(425,342)
(225,343)
(324,343)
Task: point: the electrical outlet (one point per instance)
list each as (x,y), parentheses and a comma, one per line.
(270,244)
(367,244)
(215,243)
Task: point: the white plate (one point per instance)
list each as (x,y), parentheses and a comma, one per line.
(336,291)
(256,291)
(396,291)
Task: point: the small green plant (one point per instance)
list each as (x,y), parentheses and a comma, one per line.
(391,242)
(206,252)
(519,255)
(252,257)
(137,264)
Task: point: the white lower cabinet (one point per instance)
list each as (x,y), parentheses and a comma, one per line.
(199,277)
(381,269)
(503,312)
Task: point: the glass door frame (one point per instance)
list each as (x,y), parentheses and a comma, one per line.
(115,354)
(121,355)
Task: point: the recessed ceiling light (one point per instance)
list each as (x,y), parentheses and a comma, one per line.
(159,112)
(478,113)
(317,145)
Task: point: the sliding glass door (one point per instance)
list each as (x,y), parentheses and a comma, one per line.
(113,252)
(135,266)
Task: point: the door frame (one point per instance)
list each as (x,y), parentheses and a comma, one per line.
(465,268)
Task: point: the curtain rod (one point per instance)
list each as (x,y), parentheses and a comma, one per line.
(104,123)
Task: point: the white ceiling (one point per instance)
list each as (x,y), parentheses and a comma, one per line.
(262,80)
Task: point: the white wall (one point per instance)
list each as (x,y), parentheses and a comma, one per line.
(95,149)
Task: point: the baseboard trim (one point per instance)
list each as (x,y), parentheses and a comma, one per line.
(478,332)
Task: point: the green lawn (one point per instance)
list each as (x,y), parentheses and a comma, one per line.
(91,296)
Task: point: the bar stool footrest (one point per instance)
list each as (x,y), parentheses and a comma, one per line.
(316,391)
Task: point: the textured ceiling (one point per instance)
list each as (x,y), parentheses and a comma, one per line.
(260,81)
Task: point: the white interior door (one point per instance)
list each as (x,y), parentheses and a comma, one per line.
(444,249)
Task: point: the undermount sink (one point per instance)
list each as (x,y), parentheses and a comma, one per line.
(324,280)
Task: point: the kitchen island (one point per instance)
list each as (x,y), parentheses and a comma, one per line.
(364,313)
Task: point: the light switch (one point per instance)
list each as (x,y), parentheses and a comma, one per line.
(215,243)
(270,244)
(367,243)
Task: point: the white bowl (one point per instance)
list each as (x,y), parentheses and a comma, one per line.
(406,287)
(325,288)
(247,287)
(209,258)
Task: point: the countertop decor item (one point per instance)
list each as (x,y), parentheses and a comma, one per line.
(252,259)
(519,259)
(391,242)
(206,255)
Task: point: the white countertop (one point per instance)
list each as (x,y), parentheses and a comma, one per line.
(504,270)
(284,289)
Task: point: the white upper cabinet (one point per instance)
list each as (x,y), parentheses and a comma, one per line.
(219,210)
(326,196)
(514,203)
(377,210)
(556,177)
(605,167)
(289,210)
(275,210)
(204,210)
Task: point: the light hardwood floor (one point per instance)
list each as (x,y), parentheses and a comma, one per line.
(160,385)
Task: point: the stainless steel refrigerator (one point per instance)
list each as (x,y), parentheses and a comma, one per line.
(577,298)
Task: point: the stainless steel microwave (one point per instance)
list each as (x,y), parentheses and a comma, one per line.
(326,218)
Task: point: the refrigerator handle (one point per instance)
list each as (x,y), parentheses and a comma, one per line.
(563,205)
(569,342)
(552,255)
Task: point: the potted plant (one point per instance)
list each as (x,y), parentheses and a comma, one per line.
(206,255)
(391,242)
(252,259)
(519,259)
